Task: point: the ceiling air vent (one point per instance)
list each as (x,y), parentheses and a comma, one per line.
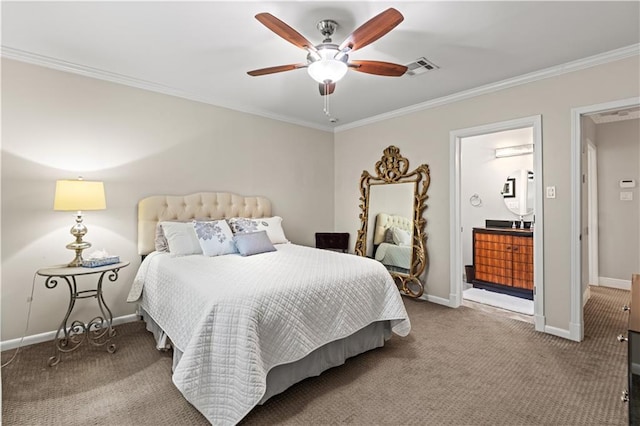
(420,66)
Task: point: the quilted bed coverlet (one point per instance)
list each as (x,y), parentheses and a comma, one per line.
(234,318)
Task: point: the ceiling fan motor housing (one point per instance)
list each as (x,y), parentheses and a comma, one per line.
(327,27)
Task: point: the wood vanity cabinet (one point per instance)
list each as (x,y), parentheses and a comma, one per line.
(503,260)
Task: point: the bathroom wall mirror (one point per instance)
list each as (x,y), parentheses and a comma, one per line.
(392,202)
(518,192)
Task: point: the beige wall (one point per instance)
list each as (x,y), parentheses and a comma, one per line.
(618,221)
(58,125)
(423,137)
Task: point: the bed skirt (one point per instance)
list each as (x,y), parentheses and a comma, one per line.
(283,376)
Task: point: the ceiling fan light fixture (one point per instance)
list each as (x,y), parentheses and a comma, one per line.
(328,68)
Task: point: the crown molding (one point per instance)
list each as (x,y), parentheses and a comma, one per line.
(588,62)
(60,65)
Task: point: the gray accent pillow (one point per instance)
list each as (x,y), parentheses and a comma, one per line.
(388,236)
(162,245)
(251,243)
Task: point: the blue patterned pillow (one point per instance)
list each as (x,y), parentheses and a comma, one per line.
(251,243)
(215,237)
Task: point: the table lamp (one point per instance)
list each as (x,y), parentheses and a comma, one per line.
(78,195)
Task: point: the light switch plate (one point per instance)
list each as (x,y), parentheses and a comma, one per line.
(626,196)
(551,192)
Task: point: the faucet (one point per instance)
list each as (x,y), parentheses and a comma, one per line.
(521,222)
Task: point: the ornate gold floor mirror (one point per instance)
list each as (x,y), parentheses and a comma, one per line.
(392,203)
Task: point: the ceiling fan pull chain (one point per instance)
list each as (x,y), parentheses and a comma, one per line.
(326,86)
(326,100)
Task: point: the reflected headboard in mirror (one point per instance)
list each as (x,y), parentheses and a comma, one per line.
(392,245)
(385,221)
(393,169)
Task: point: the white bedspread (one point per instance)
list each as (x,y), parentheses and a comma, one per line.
(236,317)
(394,255)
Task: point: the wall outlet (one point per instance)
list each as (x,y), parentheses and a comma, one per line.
(551,192)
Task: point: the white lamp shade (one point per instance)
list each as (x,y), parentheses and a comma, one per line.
(77,195)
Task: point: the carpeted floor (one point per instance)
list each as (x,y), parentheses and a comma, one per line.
(458,366)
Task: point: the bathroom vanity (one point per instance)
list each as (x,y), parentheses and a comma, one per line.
(503,260)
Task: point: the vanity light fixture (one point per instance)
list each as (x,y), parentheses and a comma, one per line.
(510,151)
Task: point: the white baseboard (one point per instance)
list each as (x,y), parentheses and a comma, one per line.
(560,332)
(539,322)
(614,283)
(438,300)
(586,295)
(576,331)
(50,335)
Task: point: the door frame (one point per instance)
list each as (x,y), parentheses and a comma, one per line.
(455,206)
(592,185)
(576,324)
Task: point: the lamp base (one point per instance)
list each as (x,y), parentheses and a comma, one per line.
(78,230)
(78,246)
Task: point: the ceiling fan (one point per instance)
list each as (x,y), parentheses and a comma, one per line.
(327,62)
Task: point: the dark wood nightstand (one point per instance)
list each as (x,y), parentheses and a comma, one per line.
(338,241)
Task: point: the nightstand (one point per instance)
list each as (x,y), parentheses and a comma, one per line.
(333,241)
(99,330)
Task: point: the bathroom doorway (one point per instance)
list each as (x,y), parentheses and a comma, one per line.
(498,198)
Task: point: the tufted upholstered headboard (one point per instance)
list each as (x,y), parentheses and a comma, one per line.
(214,205)
(385,221)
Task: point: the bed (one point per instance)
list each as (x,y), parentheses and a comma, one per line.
(244,328)
(392,242)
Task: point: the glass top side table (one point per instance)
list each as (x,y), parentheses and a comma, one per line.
(99,331)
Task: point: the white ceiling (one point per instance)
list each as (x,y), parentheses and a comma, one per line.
(202,50)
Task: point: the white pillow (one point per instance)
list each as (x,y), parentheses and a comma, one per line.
(181,238)
(401,237)
(214,236)
(273,226)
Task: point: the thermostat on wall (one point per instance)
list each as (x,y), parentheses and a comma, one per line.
(627,183)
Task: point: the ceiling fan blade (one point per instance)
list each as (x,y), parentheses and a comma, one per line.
(372,30)
(284,31)
(326,89)
(378,68)
(272,70)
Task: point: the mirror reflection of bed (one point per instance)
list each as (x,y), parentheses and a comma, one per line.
(390,210)
(392,242)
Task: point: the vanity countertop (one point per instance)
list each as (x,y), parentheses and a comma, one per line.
(509,231)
